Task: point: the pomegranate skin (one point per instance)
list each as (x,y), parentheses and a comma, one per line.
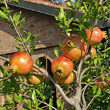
(36,79)
(68,80)
(96,37)
(61,67)
(93,53)
(21,63)
(76,49)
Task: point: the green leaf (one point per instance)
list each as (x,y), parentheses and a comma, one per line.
(58,102)
(59,43)
(18,48)
(10,100)
(50,103)
(3,15)
(25,40)
(34,98)
(17,1)
(61,13)
(56,52)
(1,108)
(17,38)
(98,92)
(62,106)
(69,22)
(18,98)
(94,89)
(2,69)
(16,17)
(28,102)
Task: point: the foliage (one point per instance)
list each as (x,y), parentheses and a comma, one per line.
(33,96)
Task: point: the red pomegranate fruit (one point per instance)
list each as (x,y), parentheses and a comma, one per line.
(20,63)
(101,83)
(68,80)
(61,67)
(74,48)
(94,36)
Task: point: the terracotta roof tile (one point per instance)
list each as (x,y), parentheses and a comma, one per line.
(49,3)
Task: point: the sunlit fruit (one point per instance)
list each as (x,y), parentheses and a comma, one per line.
(36,79)
(74,48)
(61,67)
(94,36)
(93,53)
(68,80)
(20,63)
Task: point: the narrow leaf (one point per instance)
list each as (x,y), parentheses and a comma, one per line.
(3,15)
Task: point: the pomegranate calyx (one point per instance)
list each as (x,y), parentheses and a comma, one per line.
(13,68)
(70,43)
(104,35)
(59,71)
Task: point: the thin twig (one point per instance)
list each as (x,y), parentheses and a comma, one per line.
(40,101)
(90,102)
(92,82)
(11,75)
(3,58)
(16,28)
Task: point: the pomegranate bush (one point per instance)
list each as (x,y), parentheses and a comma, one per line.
(88,81)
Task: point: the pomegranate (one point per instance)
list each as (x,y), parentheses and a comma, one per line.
(20,63)
(36,79)
(95,36)
(68,80)
(74,48)
(62,67)
(104,83)
(93,53)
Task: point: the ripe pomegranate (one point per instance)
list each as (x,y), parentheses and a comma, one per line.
(62,67)
(95,36)
(93,53)
(36,79)
(20,63)
(104,83)
(68,80)
(74,48)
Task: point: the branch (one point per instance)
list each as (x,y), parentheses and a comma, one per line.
(3,58)
(101,2)
(78,80)
(92,82)
(86,69)
(40,101)
(16,28)
(90,102)
(44,72)
(83,100)
(11,75)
